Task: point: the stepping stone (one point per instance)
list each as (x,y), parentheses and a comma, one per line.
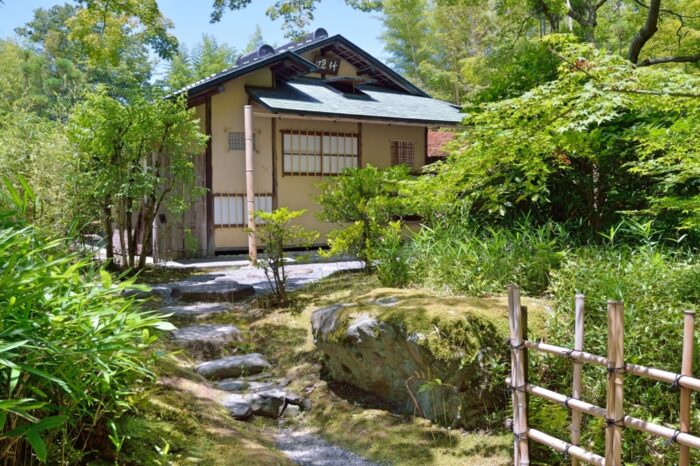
(225,291)
(155,290)
(233,366)
(238,406)
(268,403)
(291,411)
(242,385)
(206,341)
(196,310)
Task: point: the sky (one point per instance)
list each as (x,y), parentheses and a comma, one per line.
(191,18)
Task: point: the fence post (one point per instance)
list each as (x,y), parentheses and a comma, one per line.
(519,380)
(576,389)
(614,408)
(686,369)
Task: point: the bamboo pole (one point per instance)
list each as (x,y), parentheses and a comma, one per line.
(628,421)
(686,370)
(610,403)
(560,445)
(520,410)
(249,181)
(576,388)
(633,369)
(618,380)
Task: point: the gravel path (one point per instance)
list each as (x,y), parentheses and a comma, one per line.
(298,275)
(308,449)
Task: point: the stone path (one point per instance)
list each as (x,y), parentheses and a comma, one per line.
(247,389)
(308,449)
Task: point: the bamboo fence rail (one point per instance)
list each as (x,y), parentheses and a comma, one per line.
(613,413)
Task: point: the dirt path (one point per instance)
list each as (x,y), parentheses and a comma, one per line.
(308,449)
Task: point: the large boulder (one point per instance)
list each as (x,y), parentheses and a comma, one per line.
(233,366)
(432,356)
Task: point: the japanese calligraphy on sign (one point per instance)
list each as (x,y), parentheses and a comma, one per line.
(327,65)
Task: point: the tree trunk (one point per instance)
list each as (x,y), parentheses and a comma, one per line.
(109,234)
(646,32)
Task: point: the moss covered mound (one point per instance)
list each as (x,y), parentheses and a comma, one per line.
(443,358)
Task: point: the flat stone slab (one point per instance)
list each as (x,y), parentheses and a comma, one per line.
(196,310)
(226,290)
(242,385)
(233,366)
(206,341)
(238,406)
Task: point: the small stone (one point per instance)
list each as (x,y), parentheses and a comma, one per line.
(291,411)
(240,385)
(233,366)
(268,403)
(195,310)
(306,405)
(238,406)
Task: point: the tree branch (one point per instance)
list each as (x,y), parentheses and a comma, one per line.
(646,32)
(678,59)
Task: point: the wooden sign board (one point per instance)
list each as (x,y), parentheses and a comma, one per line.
(327,65)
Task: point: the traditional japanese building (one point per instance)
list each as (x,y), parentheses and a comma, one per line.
(318,106)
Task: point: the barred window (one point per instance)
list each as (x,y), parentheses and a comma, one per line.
(317,153)
(403,152)
(236,140)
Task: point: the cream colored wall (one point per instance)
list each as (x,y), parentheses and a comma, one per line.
(294,192)
(228,167)
(376,143)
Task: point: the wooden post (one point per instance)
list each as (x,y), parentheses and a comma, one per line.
(687,370)
(519,381)
(250,181)
(576,389)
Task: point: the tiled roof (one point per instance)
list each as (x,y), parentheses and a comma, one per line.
(437,141)
(315,97)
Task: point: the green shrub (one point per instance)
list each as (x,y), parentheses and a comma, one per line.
(391,256)
(72,348)
(465,258)
(277,233)
(363,201)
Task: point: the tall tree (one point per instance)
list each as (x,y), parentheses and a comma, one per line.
(255,40)
(296,15)
(206,58)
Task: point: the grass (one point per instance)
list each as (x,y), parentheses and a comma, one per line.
(182,412)
(351,418)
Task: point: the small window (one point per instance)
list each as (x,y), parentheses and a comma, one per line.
(236,140)
(403,152)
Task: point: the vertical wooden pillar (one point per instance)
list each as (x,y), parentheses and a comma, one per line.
(614,408)
(576,388)
(208,180)
(522,455)
(273,130)
(686,369)
(250,181)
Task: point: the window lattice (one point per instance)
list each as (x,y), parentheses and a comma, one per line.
(236,140)
(403,152)
(317,153)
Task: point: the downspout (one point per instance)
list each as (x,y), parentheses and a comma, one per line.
(249,182)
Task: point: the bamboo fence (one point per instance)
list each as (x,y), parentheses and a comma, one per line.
(613,413)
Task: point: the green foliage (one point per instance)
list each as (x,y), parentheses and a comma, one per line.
(206,58)
(276,234)
(656,285)
(466,258)
(390,255)
(563,151)
(133,160)
(296,15)
(73,349)
(364,200)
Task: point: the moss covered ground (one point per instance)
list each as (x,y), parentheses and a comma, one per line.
(179,413)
